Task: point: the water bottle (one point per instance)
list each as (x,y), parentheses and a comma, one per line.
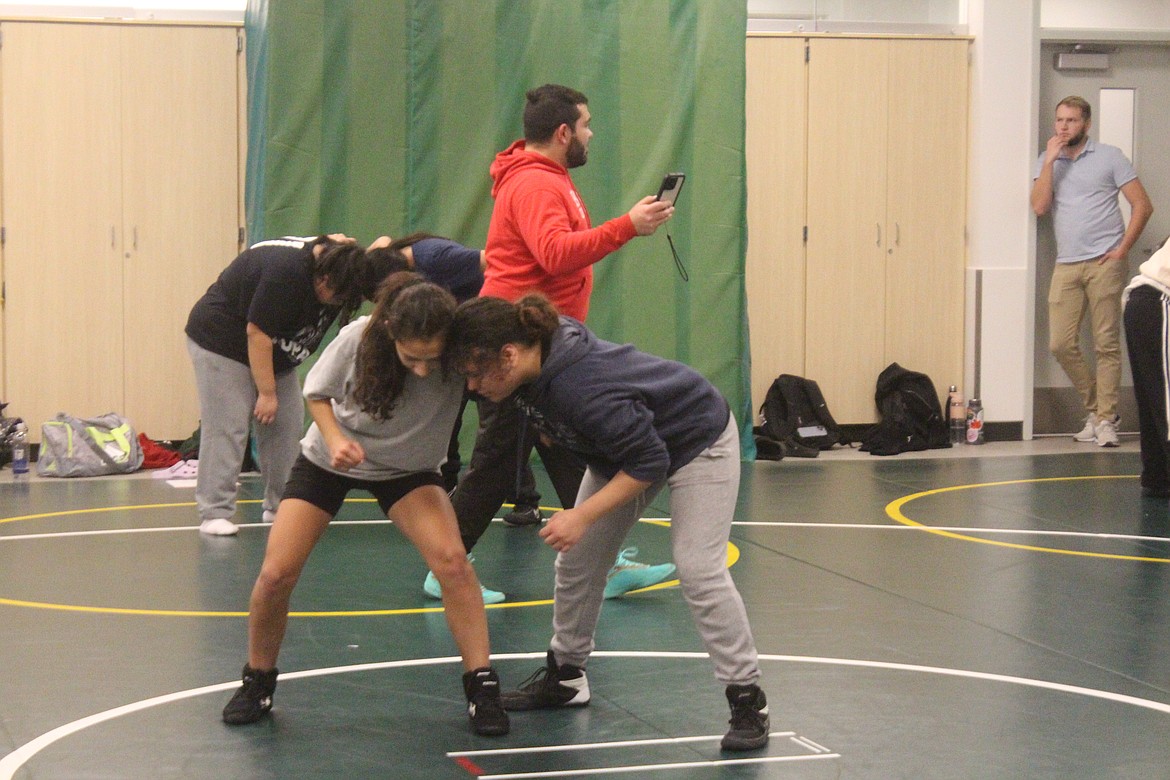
(956,415)
(975,422)
(18,440)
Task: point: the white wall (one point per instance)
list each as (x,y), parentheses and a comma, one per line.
(186,10)
(1110,15)
(1001,229)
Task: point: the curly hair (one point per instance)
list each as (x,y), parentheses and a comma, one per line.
(406,308)
(344,267)
(482,326)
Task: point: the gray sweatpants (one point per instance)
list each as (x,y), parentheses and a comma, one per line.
(702,503)
(227,397)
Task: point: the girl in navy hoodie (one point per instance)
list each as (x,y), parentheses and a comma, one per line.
(641,423)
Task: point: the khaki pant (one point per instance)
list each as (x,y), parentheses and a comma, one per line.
(1093,287)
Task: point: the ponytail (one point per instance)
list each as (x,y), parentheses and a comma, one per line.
(482,326)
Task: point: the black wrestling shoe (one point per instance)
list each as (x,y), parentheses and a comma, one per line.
(253,700)
(487,716)
(749,718)
(523,515)
(549,687)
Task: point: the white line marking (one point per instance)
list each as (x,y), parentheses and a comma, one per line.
(243,527)
(167,529)
(10,763)
(954,529)
(17,758)
(808,743)
(749,523)
(597,745)
(619,770)
(66,534)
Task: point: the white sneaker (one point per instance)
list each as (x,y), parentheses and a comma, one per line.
(1107,432)
(219,526)
(268,516)
(1089,432)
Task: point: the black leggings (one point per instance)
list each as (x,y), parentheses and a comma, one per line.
(491,476)
(1146,339)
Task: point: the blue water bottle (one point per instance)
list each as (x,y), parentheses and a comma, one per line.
(18,440)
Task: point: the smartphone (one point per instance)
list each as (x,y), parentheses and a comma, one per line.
(671,186)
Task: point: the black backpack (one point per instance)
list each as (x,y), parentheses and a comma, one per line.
(795,421)
(911,415)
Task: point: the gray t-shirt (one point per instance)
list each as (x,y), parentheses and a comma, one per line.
(1085,211)
(415,437)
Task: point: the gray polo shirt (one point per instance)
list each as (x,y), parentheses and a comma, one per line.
(415,437)
(1085,211)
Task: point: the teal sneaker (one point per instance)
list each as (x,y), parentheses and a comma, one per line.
(627,574)
(432,588)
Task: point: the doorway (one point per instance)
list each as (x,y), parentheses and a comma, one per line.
(1136,82)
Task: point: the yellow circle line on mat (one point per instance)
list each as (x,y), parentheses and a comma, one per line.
(100,509)
(732,557)
(894,511)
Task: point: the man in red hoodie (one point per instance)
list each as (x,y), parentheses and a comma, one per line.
(541,239)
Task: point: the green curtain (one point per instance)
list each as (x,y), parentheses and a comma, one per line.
(382,116)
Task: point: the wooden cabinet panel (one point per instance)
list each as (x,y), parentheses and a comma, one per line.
(927,208)
(121,189)
(847,241)
(885,188)
(62,185)
(775,269)
(180,173)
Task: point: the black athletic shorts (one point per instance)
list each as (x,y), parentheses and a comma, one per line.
(326,490)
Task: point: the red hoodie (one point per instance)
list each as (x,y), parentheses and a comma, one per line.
(540,236)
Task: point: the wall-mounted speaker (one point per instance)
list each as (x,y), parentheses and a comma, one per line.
(1082,60)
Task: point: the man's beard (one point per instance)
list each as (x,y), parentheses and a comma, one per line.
(1076,140)
(576,156)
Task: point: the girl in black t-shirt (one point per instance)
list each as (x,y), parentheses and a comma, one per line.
(266,313)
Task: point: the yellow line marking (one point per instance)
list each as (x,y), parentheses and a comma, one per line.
(96,510)
(732,556)
(894,511)
(178,504)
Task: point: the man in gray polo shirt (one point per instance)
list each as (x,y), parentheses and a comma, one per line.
(1078,180)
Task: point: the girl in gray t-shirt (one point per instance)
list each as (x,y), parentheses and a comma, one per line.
(383,405)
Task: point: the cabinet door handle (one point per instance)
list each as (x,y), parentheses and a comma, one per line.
(897,235)
(879,234)
(135,242)
(113,238)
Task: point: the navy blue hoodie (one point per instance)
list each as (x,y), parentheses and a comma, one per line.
(621,409)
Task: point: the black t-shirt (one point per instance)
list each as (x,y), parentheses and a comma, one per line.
(270,285)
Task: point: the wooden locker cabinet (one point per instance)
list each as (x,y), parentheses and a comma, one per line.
(885,150)
(62,194)
(926,202)
(121,195)
(847,232)
(776,105)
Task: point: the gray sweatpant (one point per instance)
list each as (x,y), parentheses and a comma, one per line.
(227,397)
(702,503)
